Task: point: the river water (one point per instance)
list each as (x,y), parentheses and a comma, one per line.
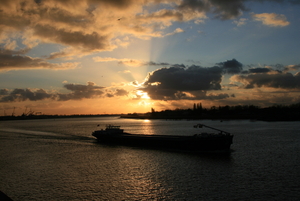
(58,159)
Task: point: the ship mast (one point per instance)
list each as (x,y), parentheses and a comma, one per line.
(202,125)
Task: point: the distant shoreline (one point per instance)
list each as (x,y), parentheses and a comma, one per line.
(239,112)
(221,118)
(8,118)
(278,113)
(145,116)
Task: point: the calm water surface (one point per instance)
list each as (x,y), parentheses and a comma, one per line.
(60,160)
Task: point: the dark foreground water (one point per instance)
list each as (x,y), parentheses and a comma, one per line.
(60,160)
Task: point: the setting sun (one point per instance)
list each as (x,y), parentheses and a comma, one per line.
(143,95)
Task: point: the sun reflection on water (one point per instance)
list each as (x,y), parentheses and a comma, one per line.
(147,127)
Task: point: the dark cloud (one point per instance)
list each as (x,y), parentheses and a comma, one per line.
(182,83)
(274,80)
(223,9)
(117,92)
(80,87)
(12,60)
(13,52)
(277,68)
(217,96)
(163,14)
(18,95)
(228,9)
(109,95)
(231,66)
(178,65)
(121,92)
(80,39)
(152,63)
(17,22)
(291,68)
(259,70)
(204,95)
(78,92)
(119,4)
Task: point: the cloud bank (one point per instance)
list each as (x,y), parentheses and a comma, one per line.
(88,26)
(266,78)
(180,82)
(10,60)
(205,83)
(77,92)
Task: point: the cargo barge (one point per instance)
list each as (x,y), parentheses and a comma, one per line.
(202,142)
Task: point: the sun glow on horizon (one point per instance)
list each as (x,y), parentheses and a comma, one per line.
(142,94)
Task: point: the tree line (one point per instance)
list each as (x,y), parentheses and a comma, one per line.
(272,113)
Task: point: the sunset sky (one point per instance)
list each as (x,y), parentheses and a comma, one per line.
(125,56)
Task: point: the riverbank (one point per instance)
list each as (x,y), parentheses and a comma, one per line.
(23,117)
(253,117)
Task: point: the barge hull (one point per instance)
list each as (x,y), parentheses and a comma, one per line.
(184,143)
